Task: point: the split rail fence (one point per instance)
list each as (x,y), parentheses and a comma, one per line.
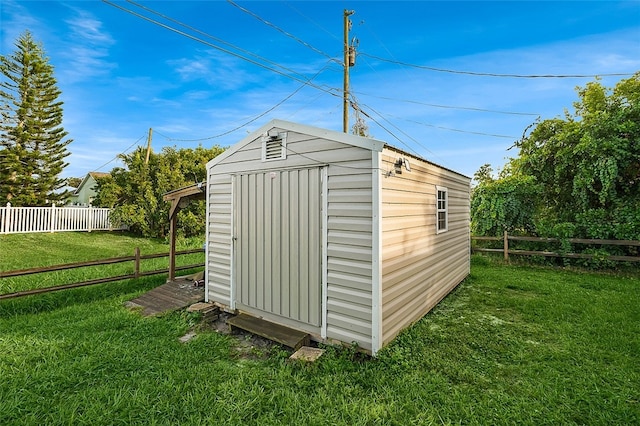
(506,251)
(15,220)
(137,272)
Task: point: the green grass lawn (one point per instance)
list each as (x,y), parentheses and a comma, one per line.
(511,345)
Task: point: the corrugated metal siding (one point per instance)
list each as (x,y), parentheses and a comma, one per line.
(278,267)
(349,226)
(420,267)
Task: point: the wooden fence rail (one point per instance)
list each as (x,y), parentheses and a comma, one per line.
(506,251)
(136,259)
(15,220)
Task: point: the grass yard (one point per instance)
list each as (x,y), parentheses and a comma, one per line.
(511,345)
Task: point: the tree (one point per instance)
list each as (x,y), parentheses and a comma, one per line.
(577,176)
(506,204)
(589,162)
(484,174)
(32,140)
(136,192)
(74,182)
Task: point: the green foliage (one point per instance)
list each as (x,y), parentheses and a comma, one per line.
(74,182)
(504,205)
(589,163)
(136,192)
(484,174)
(32,140)
(586,167)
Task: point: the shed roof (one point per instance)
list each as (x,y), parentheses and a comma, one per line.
(354,140)
(359,141)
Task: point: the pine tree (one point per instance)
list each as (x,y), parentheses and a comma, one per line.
(32,140)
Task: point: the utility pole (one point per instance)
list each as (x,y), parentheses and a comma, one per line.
(146,160)
(349,61)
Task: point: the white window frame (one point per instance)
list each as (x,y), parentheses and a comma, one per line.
(442,209)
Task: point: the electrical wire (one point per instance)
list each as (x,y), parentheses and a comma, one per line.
(122,153)
(482,74)
(253,119)
(264,21)
(288,4)
(448,106)
(325,163)
(354,106)
(219,40)
(451,129)
(192,37)
(403,132)
(368,27)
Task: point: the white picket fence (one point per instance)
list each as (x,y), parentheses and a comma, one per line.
(14,220)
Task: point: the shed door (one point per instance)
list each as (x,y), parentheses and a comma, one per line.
(278,243)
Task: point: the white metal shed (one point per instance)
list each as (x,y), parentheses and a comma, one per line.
(344,237)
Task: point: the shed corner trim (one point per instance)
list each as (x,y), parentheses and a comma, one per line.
(376,261)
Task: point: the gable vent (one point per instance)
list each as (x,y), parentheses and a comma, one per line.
(274,146)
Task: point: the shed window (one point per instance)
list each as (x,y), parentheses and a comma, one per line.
(442,209)
(274,146)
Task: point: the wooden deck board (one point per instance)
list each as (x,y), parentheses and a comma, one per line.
(278,333)
(171,296)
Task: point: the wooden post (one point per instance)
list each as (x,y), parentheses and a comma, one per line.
(137,263)
(146,160)
(345,91)
(506,246)
(172,246)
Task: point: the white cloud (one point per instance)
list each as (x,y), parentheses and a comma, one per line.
(219,71)
(88,47)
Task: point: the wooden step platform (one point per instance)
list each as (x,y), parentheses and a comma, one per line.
(171,296)
(278,333)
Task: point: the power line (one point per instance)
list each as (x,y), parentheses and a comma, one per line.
(122,153)
(219,40)
(402,131)
(322,163)
(311,20)
(301,80)
(264,21)
(482,74)
(354,106)
(381,44)
(453,130)
(448,106)
(253,119)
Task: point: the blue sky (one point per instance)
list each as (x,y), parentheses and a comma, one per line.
(121,75)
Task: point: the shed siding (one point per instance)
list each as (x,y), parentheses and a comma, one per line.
(420,267)
(219,241)
(349,249)
(349,226)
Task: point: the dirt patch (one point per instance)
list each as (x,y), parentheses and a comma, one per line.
(246,345)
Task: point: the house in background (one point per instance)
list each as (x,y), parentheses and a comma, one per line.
(343,237)
(86,191)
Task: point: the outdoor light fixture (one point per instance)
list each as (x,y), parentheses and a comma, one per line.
(402,162)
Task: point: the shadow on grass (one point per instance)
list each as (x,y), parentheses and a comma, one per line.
(48,302)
